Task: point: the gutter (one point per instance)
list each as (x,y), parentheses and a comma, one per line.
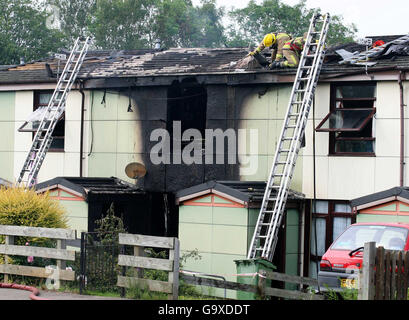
(402,129)
(82,125)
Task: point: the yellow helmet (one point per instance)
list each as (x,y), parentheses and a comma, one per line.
(269,39)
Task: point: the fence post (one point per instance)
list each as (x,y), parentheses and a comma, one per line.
(82,263)
(173,276)
(9,241)
(262,284)
(367,285)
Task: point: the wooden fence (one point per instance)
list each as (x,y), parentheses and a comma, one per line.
(384,274)
(137,260)
(61,254)
(261,289)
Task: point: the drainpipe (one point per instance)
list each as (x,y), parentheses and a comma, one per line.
(82,124)
(402,130)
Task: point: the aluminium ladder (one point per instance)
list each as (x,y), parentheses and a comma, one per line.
(52,113)
(363,56)
(272,209)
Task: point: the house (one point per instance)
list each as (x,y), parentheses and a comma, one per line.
(138,106)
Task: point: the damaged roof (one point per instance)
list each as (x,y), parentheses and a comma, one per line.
(104,64)
(85,186)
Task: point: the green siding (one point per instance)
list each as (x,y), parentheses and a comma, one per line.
(292,245)
(266,114)
(7,129)
(195,214)
(219,234)
(77,214)
(116,136)
(230,216)
(402,207)
(204,200)
(381,218)
(390,207)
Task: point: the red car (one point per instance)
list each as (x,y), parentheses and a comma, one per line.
(339,265)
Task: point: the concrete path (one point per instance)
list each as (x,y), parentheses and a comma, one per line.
(13,294)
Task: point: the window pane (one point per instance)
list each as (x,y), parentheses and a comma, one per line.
(342,207)
(340,224)
(321,230)
(361,91)
(57,143)
(354,146)
(347,119)
(320,207)
(44,98)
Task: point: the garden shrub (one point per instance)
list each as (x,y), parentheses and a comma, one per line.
(24,207)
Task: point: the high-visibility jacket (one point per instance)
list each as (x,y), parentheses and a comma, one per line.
(277,47)
(296,45)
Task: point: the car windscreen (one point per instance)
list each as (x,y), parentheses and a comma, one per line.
(391,238)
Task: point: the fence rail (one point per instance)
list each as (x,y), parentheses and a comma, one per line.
(261,289)
(384,274)
(61,254)
(137,260)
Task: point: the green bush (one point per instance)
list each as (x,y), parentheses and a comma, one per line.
(24,207)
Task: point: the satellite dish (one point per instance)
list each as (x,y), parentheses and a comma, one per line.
(135,170)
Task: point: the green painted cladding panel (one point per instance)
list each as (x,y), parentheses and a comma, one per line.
(66,194)
(221,200)
(195,214)
(77,214)
(381,218)
(403,207)
(390,207)
(195,236)
(7,106)
(224,265)
(292,248)
(7,129)
(229,239)
(203,264)
(230,216)
(207,199)
(6,165)
(253,216)
(102,165)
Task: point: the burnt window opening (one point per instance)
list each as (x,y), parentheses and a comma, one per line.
(350,121)
(187,102)
(41,101)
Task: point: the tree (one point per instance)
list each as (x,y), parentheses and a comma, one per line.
(123,24)
(24,32)
(74,17)
(250,24)
(209,24)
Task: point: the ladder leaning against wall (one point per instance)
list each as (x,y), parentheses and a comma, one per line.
(52,113)
(272,209)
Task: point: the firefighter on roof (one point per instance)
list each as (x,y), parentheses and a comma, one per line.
(292,51)
(275,41)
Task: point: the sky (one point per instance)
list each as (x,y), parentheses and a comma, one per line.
(372,17)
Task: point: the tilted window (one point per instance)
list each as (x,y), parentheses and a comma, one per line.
(41,100)
(351,119)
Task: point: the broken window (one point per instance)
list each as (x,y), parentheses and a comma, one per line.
(187,103)
(41,100)
(350,120)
